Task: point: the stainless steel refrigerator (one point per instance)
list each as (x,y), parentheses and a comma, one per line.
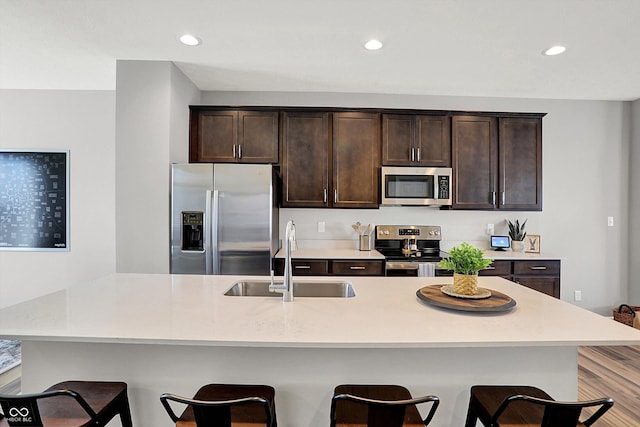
(224,218)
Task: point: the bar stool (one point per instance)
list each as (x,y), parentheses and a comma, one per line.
(378,406)
(68,404)
(526,406)
(222,404)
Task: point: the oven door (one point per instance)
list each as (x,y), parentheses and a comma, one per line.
(402,269)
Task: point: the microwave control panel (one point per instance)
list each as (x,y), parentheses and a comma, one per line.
(443,187)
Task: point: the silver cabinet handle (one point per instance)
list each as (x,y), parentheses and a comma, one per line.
(413,156)
(418,154)
(490,268)
(234,151)
(335,196)
(302,267)
(356,267)
(503,198)
(493,198)
(538,268)
(325,195)
(239,151)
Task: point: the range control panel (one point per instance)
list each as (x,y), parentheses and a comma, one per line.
(420,232)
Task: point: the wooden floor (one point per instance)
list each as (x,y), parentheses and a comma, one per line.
(613,372)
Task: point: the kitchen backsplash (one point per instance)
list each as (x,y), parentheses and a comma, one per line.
(457,226)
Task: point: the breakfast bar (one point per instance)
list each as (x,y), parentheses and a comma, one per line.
(174,333)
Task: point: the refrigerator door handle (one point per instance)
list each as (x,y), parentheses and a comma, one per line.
(208,235)
(214,251)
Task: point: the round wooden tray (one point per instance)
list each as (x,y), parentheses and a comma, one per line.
(496,302)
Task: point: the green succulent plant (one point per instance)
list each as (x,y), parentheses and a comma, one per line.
(465,259)
(516,230)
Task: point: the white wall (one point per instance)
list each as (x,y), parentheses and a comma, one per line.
(82,122)
(151,131)
(634,208)
(585,179)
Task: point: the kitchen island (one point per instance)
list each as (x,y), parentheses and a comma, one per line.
(174,333)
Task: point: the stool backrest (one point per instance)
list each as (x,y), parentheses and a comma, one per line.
(558,413)
(22,410)
(214,413)
(386,413)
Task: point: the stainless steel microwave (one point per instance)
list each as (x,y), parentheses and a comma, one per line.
(415,186)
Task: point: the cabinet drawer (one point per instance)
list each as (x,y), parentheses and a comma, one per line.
(357,268)
(303,267)
(497,268)
(537,268)
(310,267)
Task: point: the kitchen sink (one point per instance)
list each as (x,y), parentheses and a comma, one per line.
(301,288)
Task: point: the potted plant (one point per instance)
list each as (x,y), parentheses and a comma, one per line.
(517,235)
(465,261)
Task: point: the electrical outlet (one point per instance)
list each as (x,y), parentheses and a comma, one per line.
(577,295)
(610,221)
(320,226)
(490,229)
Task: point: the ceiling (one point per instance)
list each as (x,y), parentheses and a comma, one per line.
(487,48)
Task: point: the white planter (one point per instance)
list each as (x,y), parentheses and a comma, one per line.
(517,245)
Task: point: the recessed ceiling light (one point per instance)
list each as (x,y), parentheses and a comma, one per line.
(555,50)
(373,44)
(189,40)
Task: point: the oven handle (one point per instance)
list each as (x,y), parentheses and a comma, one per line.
(402,265)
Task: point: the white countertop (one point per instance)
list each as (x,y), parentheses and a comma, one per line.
(515,256)
(333,253)
(192,310)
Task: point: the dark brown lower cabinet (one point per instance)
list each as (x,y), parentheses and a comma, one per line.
(327,267)
(543,276)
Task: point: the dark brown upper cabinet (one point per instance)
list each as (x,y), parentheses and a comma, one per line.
(416,140)
(228,136)
(356,160)
(497,163)
(520,151)
(330,159)
(305,159)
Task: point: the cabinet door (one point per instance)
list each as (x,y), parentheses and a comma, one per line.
(213,136)
(398,139)
(546,285)
(305,159)
(416,140)
(433,141)
(257,137)
(356,160)
(475,162)
(520,163)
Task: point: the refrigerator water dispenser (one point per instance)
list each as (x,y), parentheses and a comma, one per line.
(192,231)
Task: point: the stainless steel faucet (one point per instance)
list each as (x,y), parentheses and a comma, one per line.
(290,244)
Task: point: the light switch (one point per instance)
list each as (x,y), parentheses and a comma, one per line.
(320,226)
(610,221)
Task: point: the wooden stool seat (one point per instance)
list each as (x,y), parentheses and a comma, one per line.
(526,406)
(378,406)
(225,405)
(71,404)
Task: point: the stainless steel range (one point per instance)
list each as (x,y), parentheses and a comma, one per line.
(409,248)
